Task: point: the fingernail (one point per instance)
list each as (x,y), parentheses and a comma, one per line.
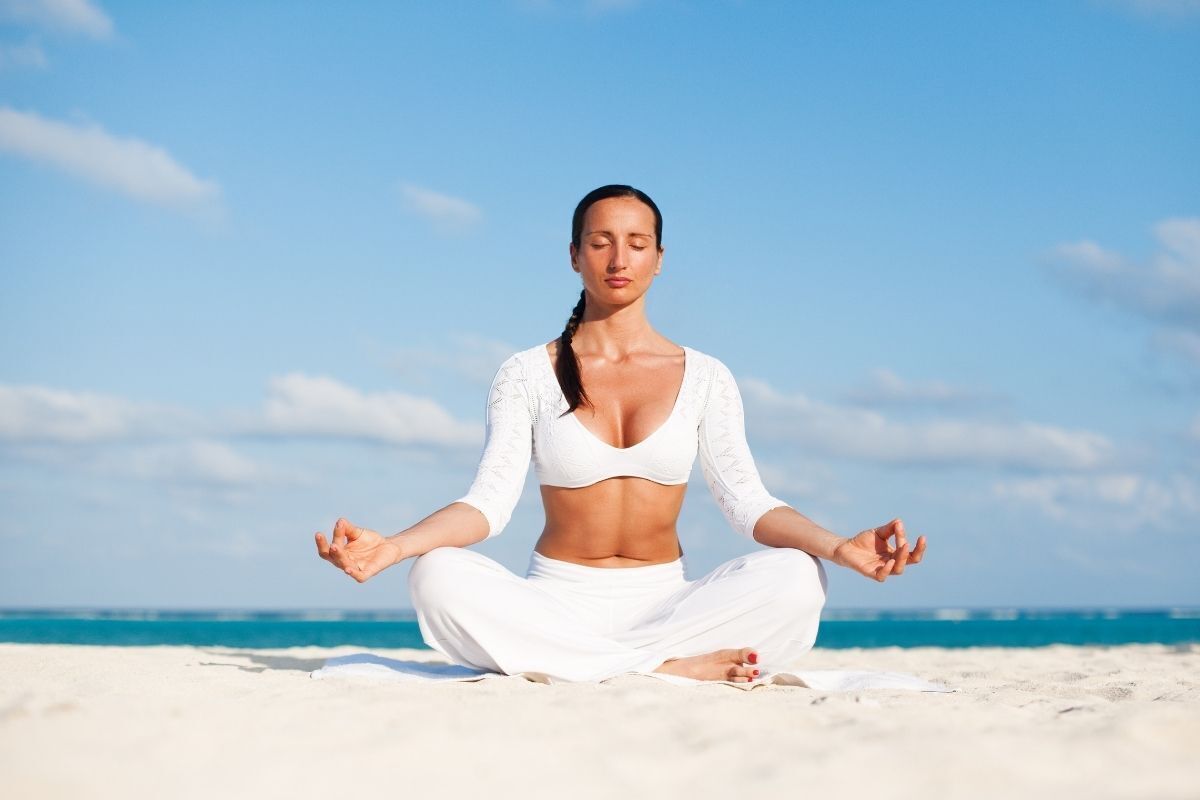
(755,673)
(754,658)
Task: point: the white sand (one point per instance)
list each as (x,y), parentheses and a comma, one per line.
(182,722)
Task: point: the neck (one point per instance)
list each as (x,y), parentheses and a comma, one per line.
(613,330)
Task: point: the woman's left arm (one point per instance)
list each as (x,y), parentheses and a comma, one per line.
(787,527)
(868,553)
(754,512)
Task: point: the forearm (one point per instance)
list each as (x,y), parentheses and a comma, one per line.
(787,527)
(455,525)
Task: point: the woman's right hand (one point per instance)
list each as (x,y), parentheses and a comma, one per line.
(358,552)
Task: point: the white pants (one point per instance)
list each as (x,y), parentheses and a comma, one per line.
(579,623)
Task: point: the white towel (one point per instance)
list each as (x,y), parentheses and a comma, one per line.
(370,665)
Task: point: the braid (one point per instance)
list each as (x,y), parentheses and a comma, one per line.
(567,368)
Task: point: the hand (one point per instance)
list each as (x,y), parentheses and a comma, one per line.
(869,552)
(359,552)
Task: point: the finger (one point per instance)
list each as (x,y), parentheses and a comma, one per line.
(882,572)
(898,525)
(322,546)
(901,559)
(340,536)
(918,552)
(353,532)
(339,532)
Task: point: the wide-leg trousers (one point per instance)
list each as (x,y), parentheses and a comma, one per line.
(579,623)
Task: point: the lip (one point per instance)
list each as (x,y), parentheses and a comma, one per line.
(617,281)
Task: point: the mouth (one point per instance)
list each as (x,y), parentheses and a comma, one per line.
(617,282)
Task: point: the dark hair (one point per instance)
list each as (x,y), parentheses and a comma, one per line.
(567,366)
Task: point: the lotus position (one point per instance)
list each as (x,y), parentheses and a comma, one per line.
(613,415)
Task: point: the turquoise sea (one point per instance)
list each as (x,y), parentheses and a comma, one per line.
(946,627)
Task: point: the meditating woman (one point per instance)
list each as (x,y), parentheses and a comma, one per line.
(612,413)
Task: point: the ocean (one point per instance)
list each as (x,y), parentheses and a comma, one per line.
(946,627)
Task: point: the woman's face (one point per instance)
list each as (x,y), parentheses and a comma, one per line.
(618,255)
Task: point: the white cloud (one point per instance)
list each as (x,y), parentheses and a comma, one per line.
(130,166)
(1166,288)
(1170,8)
(448,214)
(886,388)
(808,481)
(28,56)
(295,405)
(72,16)
(869,436)
(37,414)
(199,462)
(299,404)
(589,6)
(1179,342)
(469,355)
(1108,501)
(601,6)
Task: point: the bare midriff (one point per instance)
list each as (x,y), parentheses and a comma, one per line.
(622,521)
(617,522)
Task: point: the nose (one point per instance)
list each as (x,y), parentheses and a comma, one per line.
(616,262)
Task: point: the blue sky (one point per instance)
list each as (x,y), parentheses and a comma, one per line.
(261,260)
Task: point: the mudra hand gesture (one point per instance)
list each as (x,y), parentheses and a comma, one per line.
(358,552)
(870,554)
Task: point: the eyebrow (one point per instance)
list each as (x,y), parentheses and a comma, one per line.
(609,233)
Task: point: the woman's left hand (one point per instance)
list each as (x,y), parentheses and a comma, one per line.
(870,554)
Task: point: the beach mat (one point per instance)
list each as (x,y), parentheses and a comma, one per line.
(371,666)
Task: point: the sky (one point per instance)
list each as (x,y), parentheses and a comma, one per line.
(261,260)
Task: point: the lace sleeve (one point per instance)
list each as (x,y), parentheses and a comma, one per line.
(725,456)
(507,449)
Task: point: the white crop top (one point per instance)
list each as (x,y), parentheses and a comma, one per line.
(524,406)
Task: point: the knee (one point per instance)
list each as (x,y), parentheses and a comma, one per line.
(798,579)
(434,575)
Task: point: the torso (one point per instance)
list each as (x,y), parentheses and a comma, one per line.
(622,521)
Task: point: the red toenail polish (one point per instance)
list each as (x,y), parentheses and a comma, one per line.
(754,658)
(756,673)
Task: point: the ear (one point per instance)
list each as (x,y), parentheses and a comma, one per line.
(571,250)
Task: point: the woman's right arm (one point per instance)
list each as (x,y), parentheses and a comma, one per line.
(480,514)
(487,506)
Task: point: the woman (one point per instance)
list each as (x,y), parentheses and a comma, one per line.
(613,415)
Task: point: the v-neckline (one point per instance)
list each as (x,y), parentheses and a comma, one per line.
(687,365)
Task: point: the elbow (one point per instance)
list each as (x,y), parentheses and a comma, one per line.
(495,519)
(755,517)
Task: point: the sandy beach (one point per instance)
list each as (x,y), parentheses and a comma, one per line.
(183,722)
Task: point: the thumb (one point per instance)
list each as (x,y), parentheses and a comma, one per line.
(353,532)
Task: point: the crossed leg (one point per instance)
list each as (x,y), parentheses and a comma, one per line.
(479,614)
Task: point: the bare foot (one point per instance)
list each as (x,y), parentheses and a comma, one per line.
(719,665)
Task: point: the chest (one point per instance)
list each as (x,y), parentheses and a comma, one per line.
(630,401)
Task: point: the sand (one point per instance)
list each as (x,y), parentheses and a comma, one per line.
(205,722)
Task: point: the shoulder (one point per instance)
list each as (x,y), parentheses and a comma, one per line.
(522,363)
(709,367)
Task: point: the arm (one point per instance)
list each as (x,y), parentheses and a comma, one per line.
(725,457)
(786,527)
(753,512)
(487,506)
(736,485)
